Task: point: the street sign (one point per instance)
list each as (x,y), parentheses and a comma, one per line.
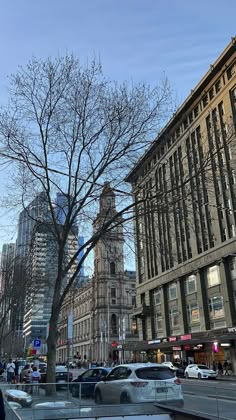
(37,343)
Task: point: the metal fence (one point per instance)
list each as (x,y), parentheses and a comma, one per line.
(76,400)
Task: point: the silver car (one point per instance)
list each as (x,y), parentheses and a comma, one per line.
(138,383)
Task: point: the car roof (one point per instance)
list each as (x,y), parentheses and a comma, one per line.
(140,365)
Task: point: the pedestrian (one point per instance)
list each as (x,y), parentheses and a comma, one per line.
(225,366)
(220,368)
(35,378)
(25,377)
(16,363)
(10,371)
(214,365)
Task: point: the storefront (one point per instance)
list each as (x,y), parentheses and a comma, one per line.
(206,347)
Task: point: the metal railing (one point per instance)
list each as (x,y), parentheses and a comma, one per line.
(74,400)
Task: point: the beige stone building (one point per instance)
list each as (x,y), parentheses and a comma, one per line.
(101,307)
(185,188)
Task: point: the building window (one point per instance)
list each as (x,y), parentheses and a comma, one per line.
(211,93)
(193,313)
(229,205)
(205,101)
(190,284)
(232,231)
(225,182)
(231,71)
(113,295)
(213,276)
(218,86)
(158,323)
(174,317)
(216,307)
(157,297)
(232,264)
(233,176)
(112,268)
(224,234)
(113,324)
(172,291)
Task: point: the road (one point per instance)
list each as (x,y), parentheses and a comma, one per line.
(216,398)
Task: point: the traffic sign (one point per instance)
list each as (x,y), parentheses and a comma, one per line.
(37,343)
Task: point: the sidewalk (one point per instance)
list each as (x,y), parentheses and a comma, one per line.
(231,378)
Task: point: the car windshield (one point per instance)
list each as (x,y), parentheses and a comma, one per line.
(202,367)
(61,369)
(154,373)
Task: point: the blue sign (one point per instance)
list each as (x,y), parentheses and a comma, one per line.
(37,343)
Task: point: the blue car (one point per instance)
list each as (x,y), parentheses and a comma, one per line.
(84,385)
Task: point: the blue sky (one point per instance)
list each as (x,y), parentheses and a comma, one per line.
(135,40)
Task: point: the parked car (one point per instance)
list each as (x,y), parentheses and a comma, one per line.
(200,372)
(61,376)
(138,383)
(88,380)
(177,367)
(20,397)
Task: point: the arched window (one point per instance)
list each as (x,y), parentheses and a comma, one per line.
(113,324)
(112,268)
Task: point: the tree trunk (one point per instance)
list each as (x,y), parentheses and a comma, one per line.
(50,389)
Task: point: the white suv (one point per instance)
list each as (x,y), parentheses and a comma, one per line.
(138,383)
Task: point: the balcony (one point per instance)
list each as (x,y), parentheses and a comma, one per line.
(142,311)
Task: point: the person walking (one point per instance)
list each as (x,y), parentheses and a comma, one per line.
(35,378)
(26,377)
(16,363)
(10,371)
(225,366)
(220,368)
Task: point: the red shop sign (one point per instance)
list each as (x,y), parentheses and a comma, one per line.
(186,337)
(187,347)
(176,348)
(172,339)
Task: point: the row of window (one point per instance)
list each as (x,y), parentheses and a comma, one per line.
(216,311)
(190,284)
(207,97)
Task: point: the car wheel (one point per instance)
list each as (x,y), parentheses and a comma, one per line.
(125,398)
(186,375)
(199,376)
(98,397)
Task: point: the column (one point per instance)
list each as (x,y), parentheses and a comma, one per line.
(227,292)
(181,308)
(201,299)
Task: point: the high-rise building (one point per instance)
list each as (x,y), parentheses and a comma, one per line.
(185,190)
(37,253)
(102,306)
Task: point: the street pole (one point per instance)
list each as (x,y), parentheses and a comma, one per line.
(108,325)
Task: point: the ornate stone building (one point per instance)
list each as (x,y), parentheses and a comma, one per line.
(102,306)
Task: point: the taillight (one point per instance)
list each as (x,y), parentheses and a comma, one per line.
(177,381)
(139,384)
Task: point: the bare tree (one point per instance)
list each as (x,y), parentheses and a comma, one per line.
(68,130)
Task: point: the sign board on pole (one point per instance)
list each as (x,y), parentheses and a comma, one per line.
(37,343)
(70,327)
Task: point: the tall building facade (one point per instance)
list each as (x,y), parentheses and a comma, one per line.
(102,306)
(37,251)
(185,192)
